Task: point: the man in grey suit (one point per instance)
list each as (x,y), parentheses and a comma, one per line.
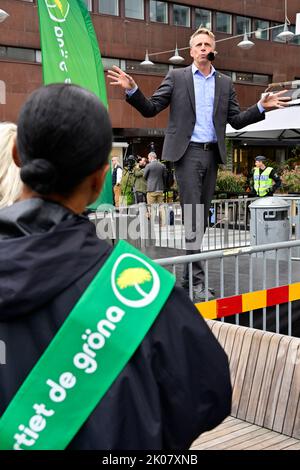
(201,101)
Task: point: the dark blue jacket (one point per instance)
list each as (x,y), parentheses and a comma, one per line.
(176,385)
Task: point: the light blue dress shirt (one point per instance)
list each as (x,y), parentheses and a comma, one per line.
(204,86)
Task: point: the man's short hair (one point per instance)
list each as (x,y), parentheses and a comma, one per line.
(152,154)
(202,30)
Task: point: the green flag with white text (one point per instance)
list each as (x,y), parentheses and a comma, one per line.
(70,54)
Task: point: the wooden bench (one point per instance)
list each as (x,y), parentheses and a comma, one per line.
(265,376)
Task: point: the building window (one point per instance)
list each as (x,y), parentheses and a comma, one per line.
(223,23)
(181,15)
(243,24)
(18,53)
(38,56)
(243,77)
(108,63)
(258,26)
(202,18)
(134,9)
(296,39)
(261,79)
(133,66)
(88,4)
(158,11)
(227,72)
(21,54)
(109,7)
(276,31)
(256,79)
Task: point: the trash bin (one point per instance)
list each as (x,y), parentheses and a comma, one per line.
(270,223)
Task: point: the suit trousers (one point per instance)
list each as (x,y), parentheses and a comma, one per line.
(196,174)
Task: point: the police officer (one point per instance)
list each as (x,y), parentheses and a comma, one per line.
(265,179)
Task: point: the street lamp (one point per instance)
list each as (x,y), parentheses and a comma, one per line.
(3,15)
(286,34)
(176,58)
(245,43)
(147,61)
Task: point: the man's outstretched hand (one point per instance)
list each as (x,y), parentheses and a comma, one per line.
(275,100)
(121,78)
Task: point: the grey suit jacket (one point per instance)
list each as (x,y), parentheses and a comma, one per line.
(177,90)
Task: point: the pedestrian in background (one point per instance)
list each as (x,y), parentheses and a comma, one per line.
(155,174)
(116,180)
(140,184)
(10,183)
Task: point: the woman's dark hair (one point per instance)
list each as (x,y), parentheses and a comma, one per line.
(64,135)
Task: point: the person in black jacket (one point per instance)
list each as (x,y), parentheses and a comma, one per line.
(177,384)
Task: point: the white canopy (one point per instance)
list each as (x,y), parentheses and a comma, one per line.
(281,124)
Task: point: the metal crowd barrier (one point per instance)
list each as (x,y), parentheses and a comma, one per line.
(244,270)
(161,225)
(227,225)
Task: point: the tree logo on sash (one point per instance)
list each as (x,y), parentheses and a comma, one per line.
(58,9)
(134,281)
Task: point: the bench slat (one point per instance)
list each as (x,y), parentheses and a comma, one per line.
(293,447)
(252,366)
(225,424)
(266,444)
(234,357)
(230,340)
(292,417)
(267,379)
(258,378)
(211,441)
(242,364)
(278,374)
(283,444)
(216,327)
(222,334)
(242,436)
(216,433)
(253,438)
(285,392)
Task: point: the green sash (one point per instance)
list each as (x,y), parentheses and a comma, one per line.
(94,344)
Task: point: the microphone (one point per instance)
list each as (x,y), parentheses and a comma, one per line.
(211,56)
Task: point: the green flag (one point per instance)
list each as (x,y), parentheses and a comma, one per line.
(70,54)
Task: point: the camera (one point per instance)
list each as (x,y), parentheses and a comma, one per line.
(130,162)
